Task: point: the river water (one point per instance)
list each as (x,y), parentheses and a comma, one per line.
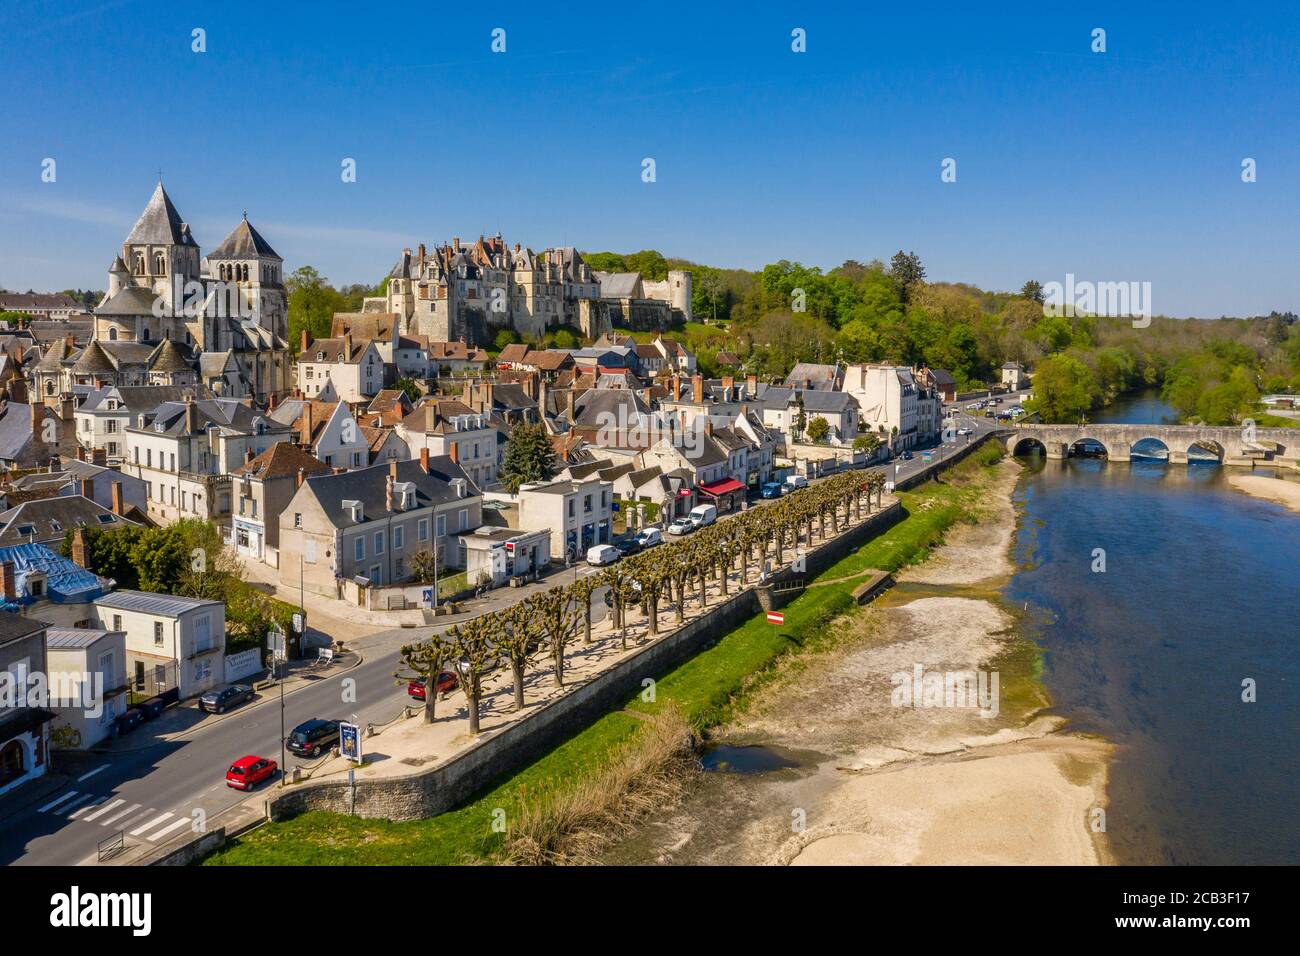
(1200,592)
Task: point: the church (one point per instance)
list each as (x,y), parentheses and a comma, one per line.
(227,311)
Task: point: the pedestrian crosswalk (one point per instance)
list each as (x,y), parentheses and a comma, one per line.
(150,823)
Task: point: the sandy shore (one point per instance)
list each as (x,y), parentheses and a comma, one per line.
(1272,489)
(880,783)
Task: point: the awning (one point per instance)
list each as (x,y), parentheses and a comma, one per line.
(724,487)
(28,720)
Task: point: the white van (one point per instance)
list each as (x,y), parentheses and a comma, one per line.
(796,481)
(602,554)
(703,515)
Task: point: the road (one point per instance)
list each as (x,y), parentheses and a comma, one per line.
(150,788)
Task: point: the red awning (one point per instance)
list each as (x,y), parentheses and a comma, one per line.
(724,487)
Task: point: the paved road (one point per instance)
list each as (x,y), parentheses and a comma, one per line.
(152,790)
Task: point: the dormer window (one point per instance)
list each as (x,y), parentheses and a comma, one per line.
(320,356)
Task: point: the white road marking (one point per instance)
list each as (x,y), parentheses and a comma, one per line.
(89,806)
(87,776)
(78,802)
(152,823)
(117,816)
(54,803)
(100,813)
(183,821)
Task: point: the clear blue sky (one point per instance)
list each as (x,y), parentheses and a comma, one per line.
(1117,166)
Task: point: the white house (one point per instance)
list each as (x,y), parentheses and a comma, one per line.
(578,514)
(171,641)
(89,667)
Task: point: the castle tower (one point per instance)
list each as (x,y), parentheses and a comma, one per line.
(679,292)
(251,280)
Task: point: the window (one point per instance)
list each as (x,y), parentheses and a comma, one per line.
(379,543)
(586,504)
(441,528)
(570,507)
(309,551)
(422,529)
(462,519)
(202,634)
(399,534)
(117,622)
(157,633)
(297,519)
(360,548)
(356,459)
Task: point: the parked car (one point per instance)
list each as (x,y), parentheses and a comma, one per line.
(602,554)
(312,738)
(796,481)
(629,546)
(906,456)
(773,489)
(965,431)
(152,707)
(703,515)
(127,722)
(681,526)
(219,701)
(247,772)
(445,684)
(649,537)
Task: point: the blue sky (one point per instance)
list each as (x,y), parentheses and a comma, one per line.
(1117,166)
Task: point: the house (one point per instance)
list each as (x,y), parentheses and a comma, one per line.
(665,356)
(578,514)
(384,444)
(449,427)
(939,381)
(88,665)
(261,489)
(173,644)
(327,429)
(389,407)
(105,486)
(29,434)
(48,520)
(369,523)
(451,358)
(356,369)
(104,413)
(56,306)
(24,723)
(889,401)
(493,555)
(37,582)
(184,453)
(717,459)
(1014,376)
(837,409)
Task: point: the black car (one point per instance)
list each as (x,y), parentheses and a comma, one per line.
(628,547)
(219,701)
(127,722)
(314,737)
(153,707)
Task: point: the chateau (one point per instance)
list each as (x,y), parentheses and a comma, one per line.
(228,307)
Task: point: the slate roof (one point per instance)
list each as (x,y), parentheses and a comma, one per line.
(369,486)
(618,285)
(15,430)
(160,223)
(819,400)
(244,242)
(433,417)
(21,301)
(226,412)
(168,357)
(333,351)
(141,398)
(146,602)
(15,626)
(51,518)
(131,300)
(598,407)
(820,376)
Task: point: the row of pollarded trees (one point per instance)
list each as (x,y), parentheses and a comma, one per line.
(547,623)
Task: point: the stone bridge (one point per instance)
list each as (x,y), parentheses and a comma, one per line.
(1231,445)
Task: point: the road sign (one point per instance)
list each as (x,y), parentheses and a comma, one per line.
(299,621)
(775,617)
(275,640)
(426,597)
(350,742)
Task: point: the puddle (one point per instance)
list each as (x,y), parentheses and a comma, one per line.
(728,758)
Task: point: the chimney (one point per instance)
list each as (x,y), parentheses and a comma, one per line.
(36,410)
(751,382)
(697,389)
(488,391)
(727,382)
(424,459)
(191,416)
(305,419)
(708,426)
(467,395)
(337,470)
(569,404)
(455,243)
(421,251)
(302,476)
(347,346)
(118,507)
(306,340)
(99,456)
(388,488)
(541,397)
(8,582)
(392,472)
(87,488)
(81,453)
(248,455)
(78,549)
(677,389)
(454,452)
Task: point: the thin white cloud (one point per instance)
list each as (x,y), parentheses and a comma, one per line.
(333,234)
(76,210)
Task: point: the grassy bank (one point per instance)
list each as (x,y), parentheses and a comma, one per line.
(700,692)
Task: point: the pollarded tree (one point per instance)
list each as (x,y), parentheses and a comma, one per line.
(618,578)
(517,633)
(557,619)
(472,644)
(582,591)
(426,660)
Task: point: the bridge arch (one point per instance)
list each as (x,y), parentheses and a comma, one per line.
(1019,445)
(1150,448)
(1087,446)
(1205,451)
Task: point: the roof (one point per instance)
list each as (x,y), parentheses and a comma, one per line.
(514,352)
(168,357)
(49,519)
(131,300)
(244,242)
(369,486)
(820,400)
(15,431)
(93,359)
(160,223)
(818,376)
(68,638)
(13,627)
(333,352)
(434,417)
(146,602)
(282,460)
(618,285)
(66,581)
(141,398)
(21,301)
(941,376)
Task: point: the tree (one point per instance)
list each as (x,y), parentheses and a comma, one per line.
(1064,389)
(818,429)
(1032,290)
(312,302)
(424,566)
(471,643)
(503,338)
(558,620)
(410,387)
(529,456)
(907,271)
(517,631)
(427,660)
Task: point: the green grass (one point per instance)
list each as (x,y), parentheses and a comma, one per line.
(1265,420)
(705,689)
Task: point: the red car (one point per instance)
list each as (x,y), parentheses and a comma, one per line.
(445,684)
(247,772)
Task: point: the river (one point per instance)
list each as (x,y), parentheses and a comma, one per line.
(1199,595)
